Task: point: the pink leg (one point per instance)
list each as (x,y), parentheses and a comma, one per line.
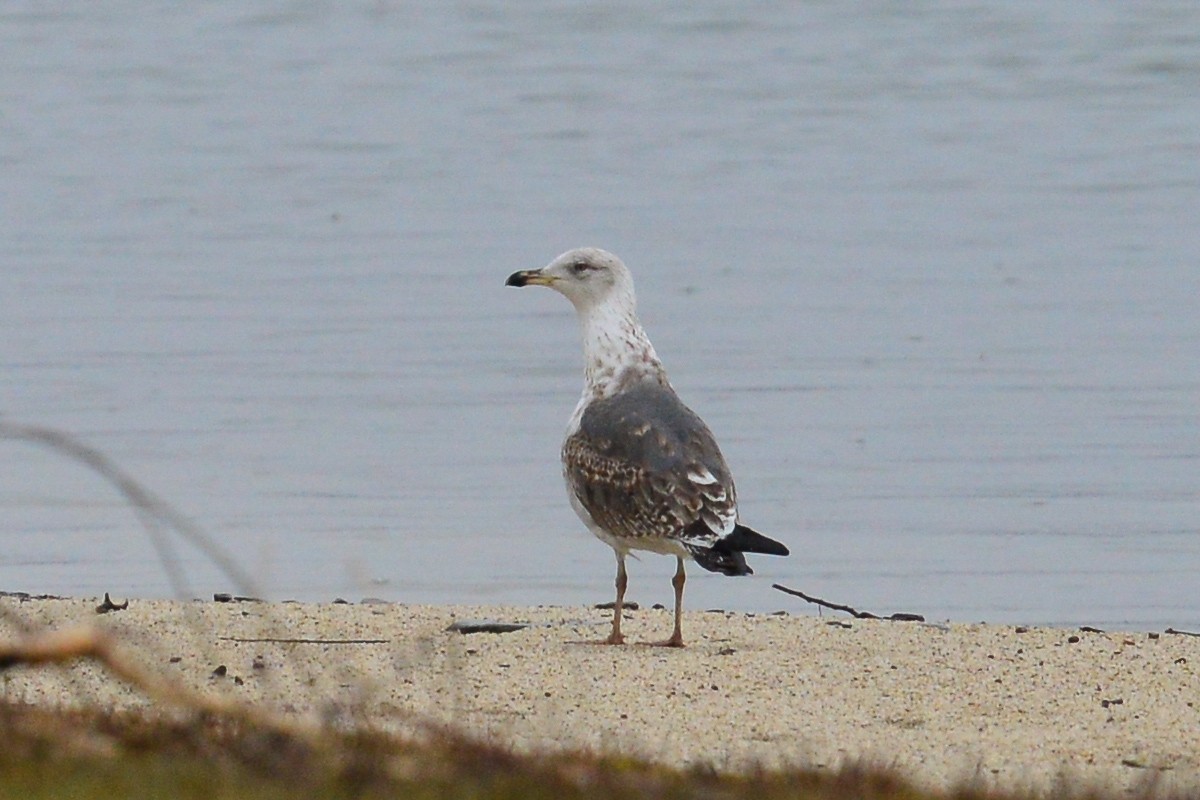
(622,580)
(618,607)
(676,639)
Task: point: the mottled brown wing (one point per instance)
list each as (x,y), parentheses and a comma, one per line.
(645,465)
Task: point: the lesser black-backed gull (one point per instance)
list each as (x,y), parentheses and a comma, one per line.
(643,471)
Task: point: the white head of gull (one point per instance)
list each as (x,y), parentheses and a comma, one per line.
(643,471)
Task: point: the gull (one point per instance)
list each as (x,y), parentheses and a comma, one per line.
(642,470)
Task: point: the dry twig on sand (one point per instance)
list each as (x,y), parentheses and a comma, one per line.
(899,616)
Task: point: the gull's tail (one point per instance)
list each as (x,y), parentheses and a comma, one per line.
(725,555)
(745,540)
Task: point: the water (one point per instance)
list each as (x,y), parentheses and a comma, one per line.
(929,271)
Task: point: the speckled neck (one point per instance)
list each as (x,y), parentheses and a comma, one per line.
(616,351)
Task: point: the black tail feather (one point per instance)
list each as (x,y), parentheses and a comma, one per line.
(727,562)
(725,556)
(745,540)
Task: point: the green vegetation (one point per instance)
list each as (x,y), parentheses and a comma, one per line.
(92,754)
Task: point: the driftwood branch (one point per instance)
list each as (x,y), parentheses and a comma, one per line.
(72,644)
(898,617)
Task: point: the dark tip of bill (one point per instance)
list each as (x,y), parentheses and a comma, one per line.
(516,279)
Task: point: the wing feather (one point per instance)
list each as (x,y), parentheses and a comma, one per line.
(645,465)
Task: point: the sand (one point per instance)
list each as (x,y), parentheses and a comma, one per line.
(997,705)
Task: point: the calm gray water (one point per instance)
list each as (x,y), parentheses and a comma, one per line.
(930,271)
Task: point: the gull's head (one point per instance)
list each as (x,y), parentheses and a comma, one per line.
(588,277)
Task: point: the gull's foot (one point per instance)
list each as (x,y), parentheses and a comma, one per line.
(675,641)
(613,638)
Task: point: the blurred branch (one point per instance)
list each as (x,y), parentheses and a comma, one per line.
(151,509)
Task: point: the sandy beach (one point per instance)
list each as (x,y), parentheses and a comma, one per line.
(943,703)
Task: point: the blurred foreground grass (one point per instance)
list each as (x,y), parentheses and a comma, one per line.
(147,754)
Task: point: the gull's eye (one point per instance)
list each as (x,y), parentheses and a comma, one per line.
(580,267)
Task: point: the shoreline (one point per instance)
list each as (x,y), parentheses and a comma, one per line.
(996,705)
